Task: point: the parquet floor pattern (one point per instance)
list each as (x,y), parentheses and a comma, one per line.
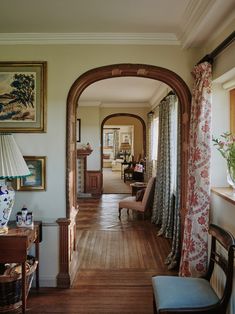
(117,259)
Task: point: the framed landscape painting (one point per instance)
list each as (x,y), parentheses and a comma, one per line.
(36,181)
(23,96)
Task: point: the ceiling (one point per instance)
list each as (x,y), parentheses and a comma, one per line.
(116,92)
(188,23)
(185,22)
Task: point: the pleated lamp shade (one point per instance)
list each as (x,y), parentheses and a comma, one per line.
(12,163)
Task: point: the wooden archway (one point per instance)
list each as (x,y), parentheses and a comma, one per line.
(122,70)
(68,254)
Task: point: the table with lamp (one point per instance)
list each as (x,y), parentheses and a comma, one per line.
(14,241)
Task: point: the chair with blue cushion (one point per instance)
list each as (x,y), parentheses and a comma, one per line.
(174,294)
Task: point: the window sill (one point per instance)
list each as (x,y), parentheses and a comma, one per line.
(225,193)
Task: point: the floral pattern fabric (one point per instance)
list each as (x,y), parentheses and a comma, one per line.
(195,239)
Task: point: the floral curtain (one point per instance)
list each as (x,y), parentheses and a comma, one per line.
(195,239)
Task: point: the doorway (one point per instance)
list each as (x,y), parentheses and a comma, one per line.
(68,249)
(119,70)
(123,143)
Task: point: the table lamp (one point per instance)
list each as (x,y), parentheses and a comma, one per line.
(12,165)
(125,148)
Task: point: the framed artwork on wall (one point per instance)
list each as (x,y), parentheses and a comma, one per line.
(37,180)
(23,97)
(126,138)
(78,136)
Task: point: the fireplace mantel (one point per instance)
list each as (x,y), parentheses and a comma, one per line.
(84,152)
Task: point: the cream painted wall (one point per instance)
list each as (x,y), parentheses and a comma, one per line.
(91,119)
(225,61)
(90,133)
(220,124)
(65,64)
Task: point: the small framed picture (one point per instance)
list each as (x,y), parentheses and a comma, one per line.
(37,180)
(78,136)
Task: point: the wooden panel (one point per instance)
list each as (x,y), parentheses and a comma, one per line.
(14,247)
(93,182)
(63,278)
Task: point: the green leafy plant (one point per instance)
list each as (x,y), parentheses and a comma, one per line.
(226,146)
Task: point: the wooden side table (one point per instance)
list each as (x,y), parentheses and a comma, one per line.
(14,247)
(137,186)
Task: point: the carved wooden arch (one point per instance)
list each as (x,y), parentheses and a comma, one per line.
(122,70)
(124,115)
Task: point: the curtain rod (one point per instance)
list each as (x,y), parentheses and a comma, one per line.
(171,92)
(227,42)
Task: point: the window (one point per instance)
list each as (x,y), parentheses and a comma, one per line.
(154,146)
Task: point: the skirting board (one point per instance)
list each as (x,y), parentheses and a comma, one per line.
(46,282)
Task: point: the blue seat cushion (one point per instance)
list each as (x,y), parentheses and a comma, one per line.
(182,292)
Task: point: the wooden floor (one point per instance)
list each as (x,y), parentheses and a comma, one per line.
(116,262)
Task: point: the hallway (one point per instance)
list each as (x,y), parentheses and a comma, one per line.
(113,183)
(116,262)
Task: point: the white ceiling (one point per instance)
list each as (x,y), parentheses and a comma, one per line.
(117,91)
(188,23)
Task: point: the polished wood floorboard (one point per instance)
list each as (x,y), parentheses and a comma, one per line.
(117,259)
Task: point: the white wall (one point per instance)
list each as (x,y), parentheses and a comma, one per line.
(220,124)
(65,64)
(90,133)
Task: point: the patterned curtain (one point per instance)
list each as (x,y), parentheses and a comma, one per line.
(163,196)
(149,162)
(115,143)
(173,258)
(195,240)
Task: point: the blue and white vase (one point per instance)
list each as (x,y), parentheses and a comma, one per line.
(7,197)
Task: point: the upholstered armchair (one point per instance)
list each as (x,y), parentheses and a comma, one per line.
(141,206)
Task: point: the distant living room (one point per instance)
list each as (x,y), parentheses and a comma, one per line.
(122,151)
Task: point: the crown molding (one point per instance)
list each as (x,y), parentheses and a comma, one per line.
(194,18)
(200,19)
(89,38)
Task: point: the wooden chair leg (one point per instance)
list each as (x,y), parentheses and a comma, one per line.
(119,216)
(154,306)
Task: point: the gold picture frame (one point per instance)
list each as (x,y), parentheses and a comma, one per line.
(23,97)
(37,180)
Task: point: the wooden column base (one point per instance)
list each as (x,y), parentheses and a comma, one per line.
(63,280)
